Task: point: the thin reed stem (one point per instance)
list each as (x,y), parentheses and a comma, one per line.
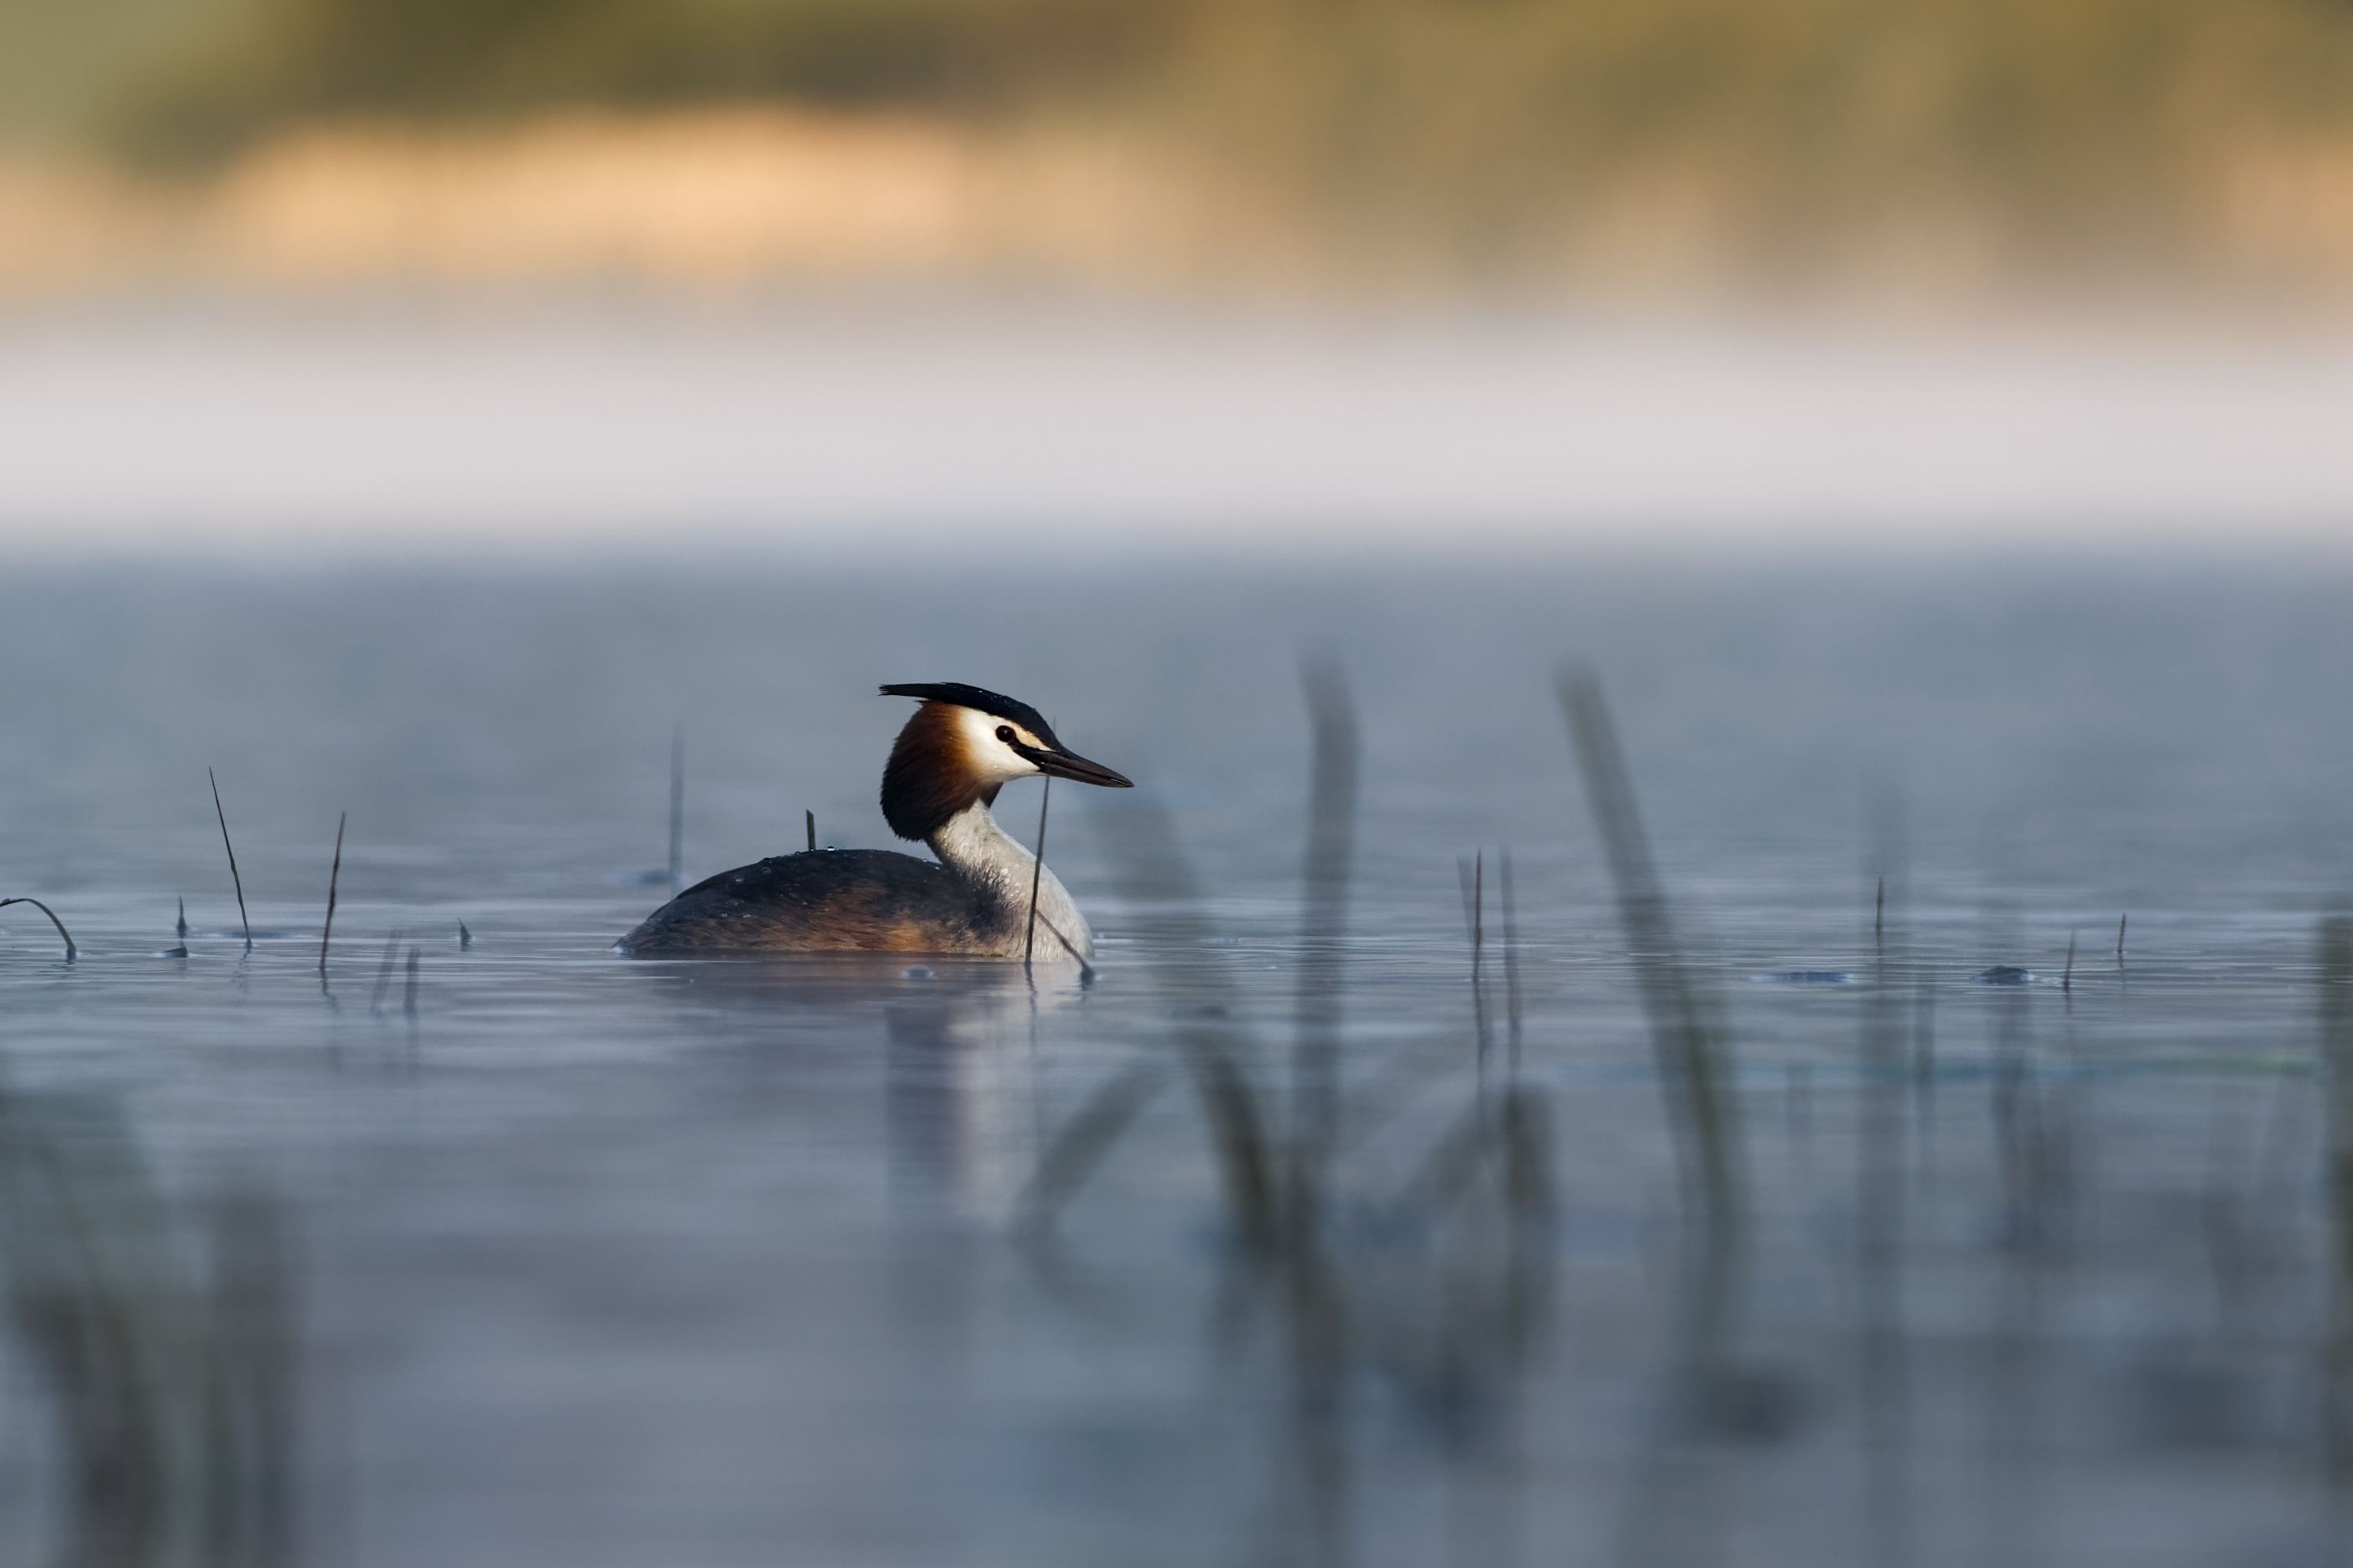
(334,875)
(1086,970)
(1037,875)
(71,948)
(1471,872)
(1478,911)
(235,880)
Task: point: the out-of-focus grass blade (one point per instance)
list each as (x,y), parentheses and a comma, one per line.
(1701,1112)
(1085,1138)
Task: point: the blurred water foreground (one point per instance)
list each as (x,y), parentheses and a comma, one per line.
(1848,1069)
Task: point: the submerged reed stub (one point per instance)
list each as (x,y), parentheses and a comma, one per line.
(335,877)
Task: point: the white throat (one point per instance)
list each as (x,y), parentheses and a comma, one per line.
(973,843)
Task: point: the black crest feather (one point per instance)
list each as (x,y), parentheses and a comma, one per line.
(955,694)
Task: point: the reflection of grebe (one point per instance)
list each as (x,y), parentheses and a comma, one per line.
(961,748)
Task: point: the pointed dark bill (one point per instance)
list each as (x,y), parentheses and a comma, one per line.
(1070,765)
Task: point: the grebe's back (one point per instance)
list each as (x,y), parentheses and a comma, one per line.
(829,901)
(961,746)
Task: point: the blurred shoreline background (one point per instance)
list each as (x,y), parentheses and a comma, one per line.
(826,277)
(1787,151)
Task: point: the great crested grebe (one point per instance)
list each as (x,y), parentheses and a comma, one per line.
(945,769)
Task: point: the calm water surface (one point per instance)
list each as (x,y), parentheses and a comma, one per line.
(519,1252)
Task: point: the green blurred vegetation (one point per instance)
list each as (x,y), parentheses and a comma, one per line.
(269,62)
(2070,112)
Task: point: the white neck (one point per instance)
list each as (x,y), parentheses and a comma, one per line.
(973,843)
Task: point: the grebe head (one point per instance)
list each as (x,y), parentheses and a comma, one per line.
(964,745)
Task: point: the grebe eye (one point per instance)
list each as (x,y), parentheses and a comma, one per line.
(1005,733)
